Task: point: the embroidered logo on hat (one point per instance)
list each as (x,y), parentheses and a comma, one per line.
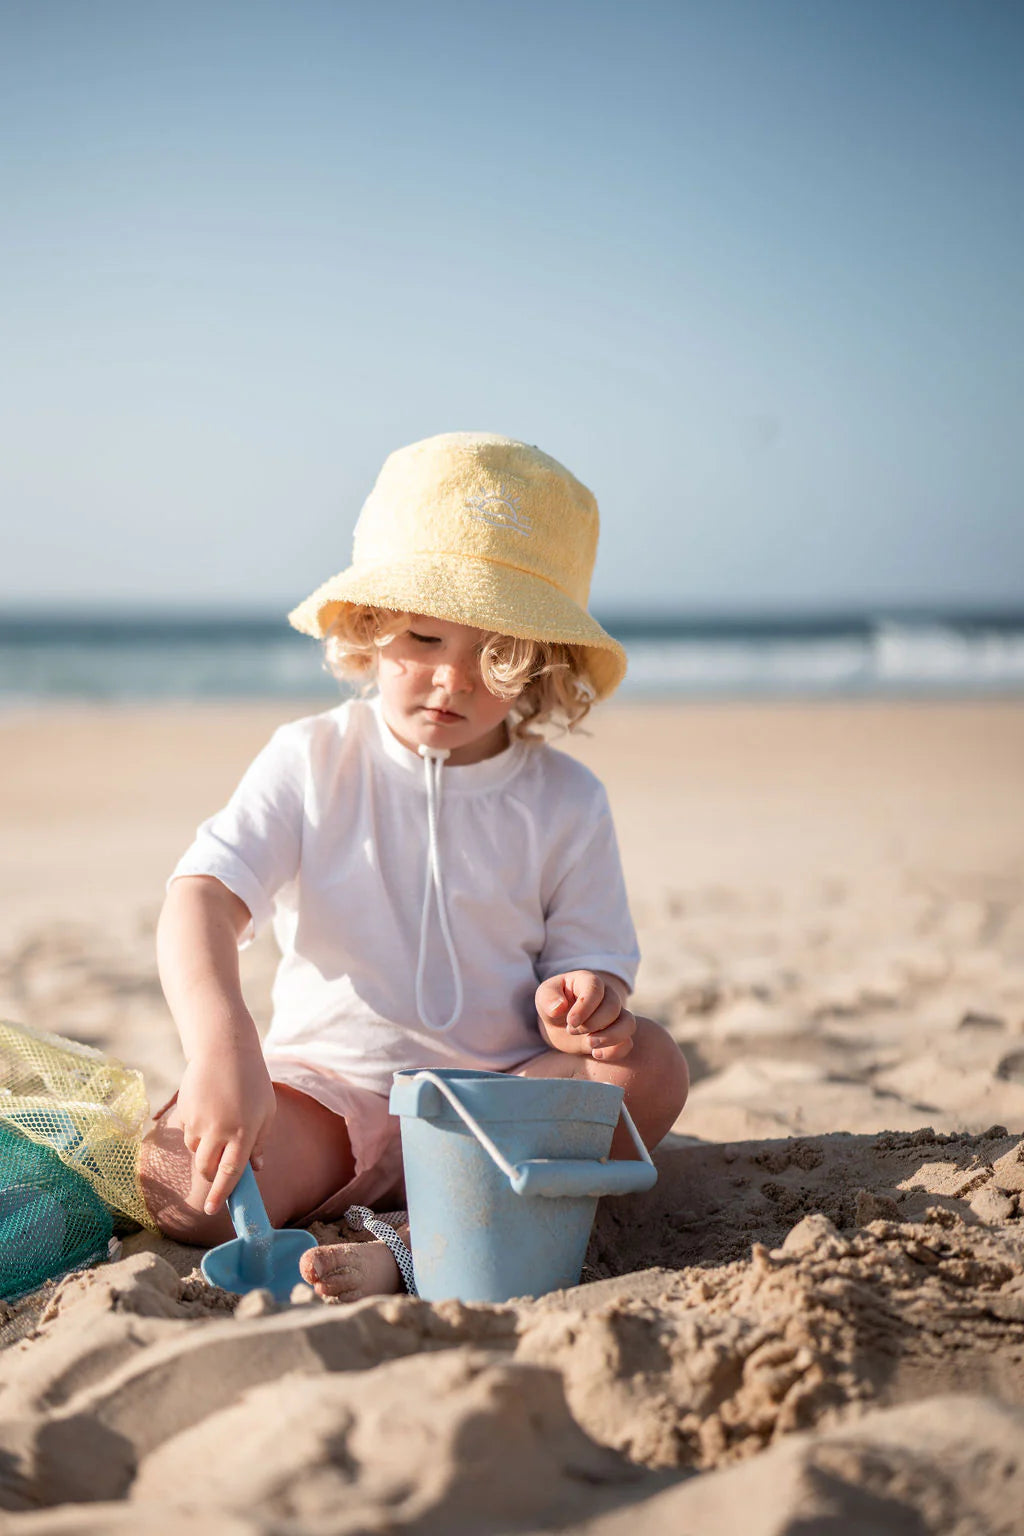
(501,511)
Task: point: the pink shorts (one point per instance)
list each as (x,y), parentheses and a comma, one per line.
(374,1136)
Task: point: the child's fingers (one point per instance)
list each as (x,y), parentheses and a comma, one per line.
(624,1028)
(616,1052)
(608,1010)
(616,1041)
(229,1171)
(552,1002)
(206,1155)
(588,993)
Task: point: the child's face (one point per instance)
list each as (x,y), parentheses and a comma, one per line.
(433,695)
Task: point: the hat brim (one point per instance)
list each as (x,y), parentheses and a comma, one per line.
(471,591)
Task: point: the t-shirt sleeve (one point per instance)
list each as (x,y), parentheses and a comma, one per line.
(253,845)
(588,923)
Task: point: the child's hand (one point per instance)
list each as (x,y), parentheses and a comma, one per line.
(582,1013)
(226,1103)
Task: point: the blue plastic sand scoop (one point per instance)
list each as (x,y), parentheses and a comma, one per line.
(260,1258)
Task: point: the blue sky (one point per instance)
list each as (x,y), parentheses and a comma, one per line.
(752,270)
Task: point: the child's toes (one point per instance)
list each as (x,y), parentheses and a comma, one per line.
(338,1287)
(350,1271)
(309,1265)
(340,1284)
(324,1266)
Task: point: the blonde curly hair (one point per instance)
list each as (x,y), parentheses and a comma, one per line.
(547,680)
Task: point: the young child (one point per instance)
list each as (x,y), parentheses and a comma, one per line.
(445,888)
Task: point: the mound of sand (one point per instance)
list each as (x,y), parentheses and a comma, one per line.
(890,1270)
(814,1322)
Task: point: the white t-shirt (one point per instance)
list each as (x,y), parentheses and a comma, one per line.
(327,837)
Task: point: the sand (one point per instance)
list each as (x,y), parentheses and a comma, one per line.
(814,1321)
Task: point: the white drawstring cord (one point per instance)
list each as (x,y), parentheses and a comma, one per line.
(433,762)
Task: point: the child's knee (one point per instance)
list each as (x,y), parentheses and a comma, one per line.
(166,1175)
(666,1075)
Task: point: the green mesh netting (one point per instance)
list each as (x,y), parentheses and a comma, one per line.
(51,1219)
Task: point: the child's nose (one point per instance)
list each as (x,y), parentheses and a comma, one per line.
(452,676)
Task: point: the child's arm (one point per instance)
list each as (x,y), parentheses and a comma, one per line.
(584,1013)
(226,1100)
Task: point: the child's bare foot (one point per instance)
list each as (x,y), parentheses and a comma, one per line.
(350,1271)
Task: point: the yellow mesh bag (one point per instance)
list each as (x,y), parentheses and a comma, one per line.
(86,1107)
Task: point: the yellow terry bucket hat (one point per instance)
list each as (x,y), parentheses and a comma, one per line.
(480,530)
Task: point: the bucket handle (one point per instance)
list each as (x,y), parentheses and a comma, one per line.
(559,1176)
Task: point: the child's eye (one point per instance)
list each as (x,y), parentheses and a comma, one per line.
(425,639)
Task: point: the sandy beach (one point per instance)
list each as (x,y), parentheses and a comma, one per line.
(815,1321)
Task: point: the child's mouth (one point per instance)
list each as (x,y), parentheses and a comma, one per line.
(441,716)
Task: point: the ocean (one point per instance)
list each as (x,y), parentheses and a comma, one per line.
(130,658)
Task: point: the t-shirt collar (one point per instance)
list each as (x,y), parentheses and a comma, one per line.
(458,779)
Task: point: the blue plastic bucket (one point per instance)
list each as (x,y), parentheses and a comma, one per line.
(502,1178)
